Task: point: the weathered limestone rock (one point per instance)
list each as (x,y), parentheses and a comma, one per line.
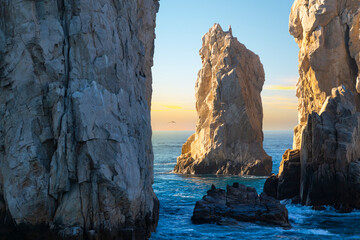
(239,203)
(330,154)
(286,184)
(328,35)
(229,137)
(327,136)
(75,135)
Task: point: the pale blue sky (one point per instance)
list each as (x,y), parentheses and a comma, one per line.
(261,25)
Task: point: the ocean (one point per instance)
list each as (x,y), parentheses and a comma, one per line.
(179,193)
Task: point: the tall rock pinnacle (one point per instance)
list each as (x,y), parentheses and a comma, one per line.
(75,143)
(229,137)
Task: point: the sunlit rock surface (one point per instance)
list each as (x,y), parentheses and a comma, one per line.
(328,35)
(75,135)
(229,137)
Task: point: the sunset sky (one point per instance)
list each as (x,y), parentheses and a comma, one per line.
(261,25)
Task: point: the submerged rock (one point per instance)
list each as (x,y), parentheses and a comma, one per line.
(239,203)
(229,137)
(75,137)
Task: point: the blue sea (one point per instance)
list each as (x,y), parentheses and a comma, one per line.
(179,193)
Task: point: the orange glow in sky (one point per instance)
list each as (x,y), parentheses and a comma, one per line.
(279,105)
(177,60)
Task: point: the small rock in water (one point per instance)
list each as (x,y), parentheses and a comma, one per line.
(239,203)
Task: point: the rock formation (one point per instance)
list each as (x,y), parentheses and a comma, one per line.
(75,136)
(330,154)
(328,35)
(229,137)
(286,184)
(239,203)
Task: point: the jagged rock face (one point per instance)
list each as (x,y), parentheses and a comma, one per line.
(286,184)
(75,90)
(328,35)
(326,170)
(229,137)
(330,153)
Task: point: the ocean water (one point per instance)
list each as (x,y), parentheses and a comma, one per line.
(179,193)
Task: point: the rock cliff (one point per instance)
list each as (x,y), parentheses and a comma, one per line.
(327,171)
(229,137)
(328,35)
(330,154)
(75,135)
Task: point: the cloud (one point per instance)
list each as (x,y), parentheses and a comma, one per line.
(279,102)
(161,107)
(172,107)
(279,98)
(280,87)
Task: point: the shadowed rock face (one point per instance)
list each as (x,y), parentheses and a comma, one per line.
(286,184)
(229,137)
(330,154)
(327,169)
(327,33)
(75,90)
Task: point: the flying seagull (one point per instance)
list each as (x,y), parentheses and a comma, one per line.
(172,122)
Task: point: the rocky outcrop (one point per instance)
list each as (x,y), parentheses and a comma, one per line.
(229,137)
(286,184)
(326,171)
(330,154)
(327,33)
(239,203)
(75,135)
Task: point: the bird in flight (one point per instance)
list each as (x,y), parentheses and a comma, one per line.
(172,122)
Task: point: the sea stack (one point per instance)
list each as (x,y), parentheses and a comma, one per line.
(76,160)
(229,137)
(328,136)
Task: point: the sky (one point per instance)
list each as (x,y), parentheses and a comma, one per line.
(261,25)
